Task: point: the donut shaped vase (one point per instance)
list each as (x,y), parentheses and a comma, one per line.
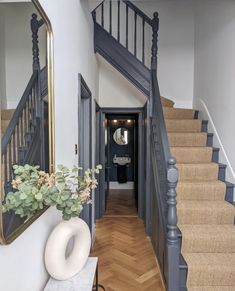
(57,265)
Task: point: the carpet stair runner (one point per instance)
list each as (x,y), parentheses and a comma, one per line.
(6,115)
(205,219)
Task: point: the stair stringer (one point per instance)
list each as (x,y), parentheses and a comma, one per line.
(121,59)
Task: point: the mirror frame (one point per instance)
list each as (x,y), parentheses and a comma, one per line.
(51,126)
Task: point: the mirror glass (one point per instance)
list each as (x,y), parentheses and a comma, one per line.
(121,136)
(26,101)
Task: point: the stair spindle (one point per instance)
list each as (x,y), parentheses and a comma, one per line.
(21,130)
(102,14)
(110,17)
(14,147)
(5,167)
(34,29)
(118,32)
(143,41)
(10,161)
(155,27)
(135,34)
(127,11)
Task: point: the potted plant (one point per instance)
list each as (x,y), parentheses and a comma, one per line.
(67,190)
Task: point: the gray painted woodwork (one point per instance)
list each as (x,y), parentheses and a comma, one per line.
(85,137)
(100,208)
(160,177)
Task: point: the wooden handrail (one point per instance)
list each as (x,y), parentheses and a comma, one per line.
(138,11)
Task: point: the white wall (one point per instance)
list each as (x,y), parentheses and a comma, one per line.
(176,43)
(176,48)
(21,264)
(115,90)
(18,49)
(3,102)
(214,87)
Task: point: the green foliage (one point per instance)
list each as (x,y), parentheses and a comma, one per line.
(66,190)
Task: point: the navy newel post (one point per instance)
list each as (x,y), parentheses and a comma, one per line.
(173,253)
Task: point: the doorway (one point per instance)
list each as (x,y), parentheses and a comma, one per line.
(120,151)
(85,138)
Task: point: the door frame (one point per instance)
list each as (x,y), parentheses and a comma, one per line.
(100,155)
(85,95)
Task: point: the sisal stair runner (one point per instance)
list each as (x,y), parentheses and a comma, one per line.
(205,219)
(6,115)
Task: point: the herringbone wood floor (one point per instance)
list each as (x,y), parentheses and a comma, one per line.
(126,258)
(121,202)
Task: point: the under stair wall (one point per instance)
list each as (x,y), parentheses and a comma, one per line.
(115,90)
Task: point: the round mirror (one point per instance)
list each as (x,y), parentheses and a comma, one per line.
(121,136)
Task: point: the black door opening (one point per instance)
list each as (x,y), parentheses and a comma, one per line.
(121,155)
(119,148)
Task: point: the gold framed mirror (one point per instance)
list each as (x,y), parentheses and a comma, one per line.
(27,101)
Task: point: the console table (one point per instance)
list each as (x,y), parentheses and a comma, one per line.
(83,281)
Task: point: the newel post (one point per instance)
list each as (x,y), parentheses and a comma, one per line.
(34,28)
(154,50)
(173,252)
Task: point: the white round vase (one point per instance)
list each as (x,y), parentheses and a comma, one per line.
(57,265)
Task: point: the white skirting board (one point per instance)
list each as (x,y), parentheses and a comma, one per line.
(116,185)
(217,142)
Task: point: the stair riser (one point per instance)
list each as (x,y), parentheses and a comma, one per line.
(178,140)
(193,155)
(201,193)
(210,245)
(6,114)
(172,113)
(215,155)
(229,192)
(199,216)
(208,277)
(209,173)
(204,126)
(197,173)
(222,172)
(209,142)
(182,126)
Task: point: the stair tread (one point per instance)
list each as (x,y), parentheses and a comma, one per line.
(198,171)
(183,125)
(205,204)
(178,113)
(207,238)
(205,212)
(201,190)
(192,154)
(213,269)
(196,139)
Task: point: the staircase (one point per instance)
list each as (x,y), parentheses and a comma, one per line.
(205,219)
(23,130)
(198,253)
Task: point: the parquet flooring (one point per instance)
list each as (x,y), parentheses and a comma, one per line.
(121,202)
(126,257)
